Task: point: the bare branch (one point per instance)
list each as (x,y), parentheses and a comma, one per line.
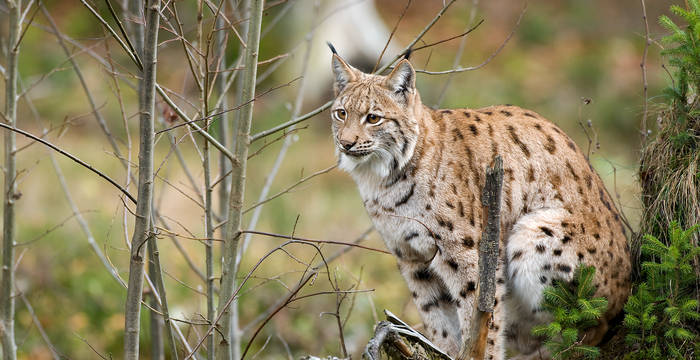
(391,35)
(72,157)
(418,37)
(643,65)
(488,59)
(450,38)
(39,327)
(133,55)
(290,187)
(352,244)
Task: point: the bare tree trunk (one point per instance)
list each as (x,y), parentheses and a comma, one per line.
(134,23)
(224,167)
(224,131)
(155,266)
(234,331)
(232,229)
(7,285)
(156,320)
(142,224)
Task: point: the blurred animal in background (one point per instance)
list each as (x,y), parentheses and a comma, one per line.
(354,25)
(421,172)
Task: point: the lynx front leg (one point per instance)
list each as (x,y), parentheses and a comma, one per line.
(435,305)
(461,277)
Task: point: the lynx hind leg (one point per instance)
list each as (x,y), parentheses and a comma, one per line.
(538,252)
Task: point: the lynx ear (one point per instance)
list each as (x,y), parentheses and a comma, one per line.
(402,79)
(343,72)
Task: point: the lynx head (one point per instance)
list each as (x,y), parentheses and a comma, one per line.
(374,118)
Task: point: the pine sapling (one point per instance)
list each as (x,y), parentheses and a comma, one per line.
(574,309)
(662,314)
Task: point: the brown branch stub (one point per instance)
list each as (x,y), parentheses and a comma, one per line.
(488,247)
(475,344)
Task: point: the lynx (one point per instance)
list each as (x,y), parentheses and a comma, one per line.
(420,173)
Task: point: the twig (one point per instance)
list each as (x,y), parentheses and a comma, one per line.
(316,241)
(91,347)
(292,122)
(228,301)
(643,65)
(29,23)
(380,70)
(269,179)
(88,94)
(458,56)
(488,59)
(308,276)
(121,27)
(418,37)
(450,38)
(291,296)
(196,127)
(284,136)
(391,35)
(133,55)
(245,104)
(38,325)
(72,157)
(290,187)
(74,208)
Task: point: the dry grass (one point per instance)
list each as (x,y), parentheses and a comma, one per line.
(670,175)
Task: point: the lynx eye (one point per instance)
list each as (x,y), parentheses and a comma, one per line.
(373,119)
(340,114)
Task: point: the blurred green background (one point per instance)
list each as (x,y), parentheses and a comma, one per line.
(563,52)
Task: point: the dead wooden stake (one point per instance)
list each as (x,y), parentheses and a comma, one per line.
(475,344)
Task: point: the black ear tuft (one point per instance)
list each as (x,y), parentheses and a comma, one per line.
(331,47)
(407,54)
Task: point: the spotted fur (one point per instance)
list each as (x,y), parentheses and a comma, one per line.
(420,173)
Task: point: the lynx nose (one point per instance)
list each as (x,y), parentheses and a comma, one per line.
(347,144)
